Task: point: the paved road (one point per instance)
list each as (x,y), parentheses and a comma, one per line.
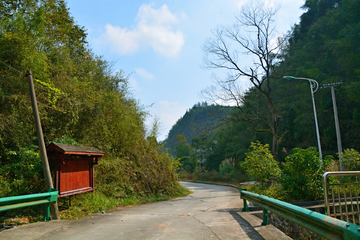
(210,212)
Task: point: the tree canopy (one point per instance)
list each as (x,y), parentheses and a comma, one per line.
(201,118)
(79,97)
(323,46)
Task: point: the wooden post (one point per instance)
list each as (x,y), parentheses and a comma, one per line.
(44,159)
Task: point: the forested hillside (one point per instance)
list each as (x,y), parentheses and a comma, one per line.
(324,46)
(80,100)
(201,118)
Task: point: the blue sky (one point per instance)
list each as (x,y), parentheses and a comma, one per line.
(159,45)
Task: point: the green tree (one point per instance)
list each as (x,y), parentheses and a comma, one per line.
(80,99)
(323,47)
(201,118)
(202,148)
(185,154)
(260,163)
(302,174)
(351,159)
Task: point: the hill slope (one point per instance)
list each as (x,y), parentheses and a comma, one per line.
(200,118)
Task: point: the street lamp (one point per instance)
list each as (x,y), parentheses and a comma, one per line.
(313,87)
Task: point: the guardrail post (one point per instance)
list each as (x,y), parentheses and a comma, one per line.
(47,212)
(265,217)
(245,209)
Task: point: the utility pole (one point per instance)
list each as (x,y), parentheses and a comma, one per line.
(337,127)
(45,163)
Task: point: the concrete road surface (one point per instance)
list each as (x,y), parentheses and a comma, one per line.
(210,212)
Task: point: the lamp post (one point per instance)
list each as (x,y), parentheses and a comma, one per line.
(314,85)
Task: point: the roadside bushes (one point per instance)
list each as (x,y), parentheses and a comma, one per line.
(22,174)
(235,176)
(298,179)
(260,163)
(302,173)
(351,160)
(227,166)
(144,171)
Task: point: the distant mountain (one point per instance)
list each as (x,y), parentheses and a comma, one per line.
(200,118)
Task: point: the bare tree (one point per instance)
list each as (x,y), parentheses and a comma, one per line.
(252,35)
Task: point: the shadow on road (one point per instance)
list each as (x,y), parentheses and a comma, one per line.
(227,210)
(248,229)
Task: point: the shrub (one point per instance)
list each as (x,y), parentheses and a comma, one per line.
(260,163)
(143,172)
(302,175)
(351,160)
(65,139)
(227,169)
(23,174)
(5,189)
(185,175)
(227,166)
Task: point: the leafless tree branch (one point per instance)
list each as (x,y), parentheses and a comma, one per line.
(253,34)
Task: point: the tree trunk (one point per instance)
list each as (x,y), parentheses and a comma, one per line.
(274,128)
(275,137)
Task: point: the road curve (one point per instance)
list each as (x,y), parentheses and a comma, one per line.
(210,212)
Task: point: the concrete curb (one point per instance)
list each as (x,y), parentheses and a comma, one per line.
(255,208)
(212,183)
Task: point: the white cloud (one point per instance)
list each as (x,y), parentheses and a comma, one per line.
(121,40)
(267,3)
(162,16)
(154,29)
(145,74)
(240,4)
(271,4)
(274,42)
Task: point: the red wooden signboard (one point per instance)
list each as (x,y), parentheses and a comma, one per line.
(74,167)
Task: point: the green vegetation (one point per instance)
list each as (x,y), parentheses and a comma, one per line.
(201,118)
(321,47)
(302,174)
(351,159)
(324,46)
(260,164)
(185,154)
(81,100)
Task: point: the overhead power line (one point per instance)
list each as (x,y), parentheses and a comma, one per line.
(12,68)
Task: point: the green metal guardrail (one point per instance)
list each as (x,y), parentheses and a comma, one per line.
(325,226)
(9,203)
